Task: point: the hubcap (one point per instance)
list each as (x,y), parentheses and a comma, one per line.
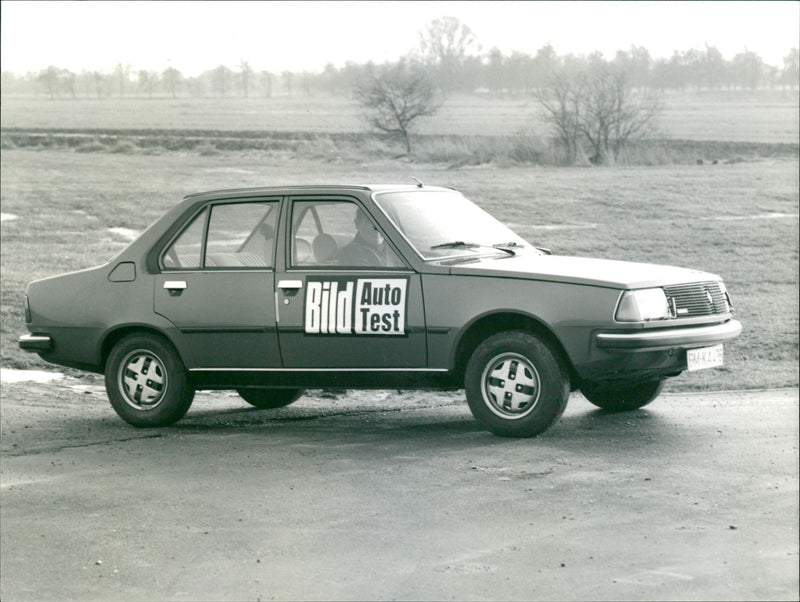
(511,386)
(142,380)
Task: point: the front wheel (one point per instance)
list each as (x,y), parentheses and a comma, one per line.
(269,398)
(146,381)
(622,398)
(515,385)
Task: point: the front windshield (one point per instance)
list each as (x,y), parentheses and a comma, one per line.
(441,224)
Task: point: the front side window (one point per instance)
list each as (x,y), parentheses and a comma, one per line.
(338,233)
(230,235)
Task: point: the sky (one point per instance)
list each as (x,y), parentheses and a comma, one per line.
(298,35)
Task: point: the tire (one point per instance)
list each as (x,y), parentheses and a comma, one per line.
(146,381)
(622,398)
(269,398)
(515,385)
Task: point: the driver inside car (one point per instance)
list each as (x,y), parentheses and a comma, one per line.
(367,248)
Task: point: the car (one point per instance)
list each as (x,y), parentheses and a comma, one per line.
(270,291)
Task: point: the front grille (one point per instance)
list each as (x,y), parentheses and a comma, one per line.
(697,299)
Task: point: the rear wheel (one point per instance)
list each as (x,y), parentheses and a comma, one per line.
(146,381)
(515,385)
(269,398)
(621,398)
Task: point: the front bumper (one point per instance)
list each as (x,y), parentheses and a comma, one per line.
(36,343)
(669,338)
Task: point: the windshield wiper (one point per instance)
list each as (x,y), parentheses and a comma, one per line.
(455,244)
(508,246)
(460,244)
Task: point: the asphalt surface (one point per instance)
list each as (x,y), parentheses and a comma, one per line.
(382,495)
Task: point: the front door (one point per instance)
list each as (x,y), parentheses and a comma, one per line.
(217,286)
(346,299)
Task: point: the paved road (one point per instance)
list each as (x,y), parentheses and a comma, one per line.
(376,495)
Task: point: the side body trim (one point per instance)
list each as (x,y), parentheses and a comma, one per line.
(318,370)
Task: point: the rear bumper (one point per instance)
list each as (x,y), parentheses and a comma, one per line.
(36,343)
(670,338)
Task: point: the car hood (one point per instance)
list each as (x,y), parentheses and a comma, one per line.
(581,270)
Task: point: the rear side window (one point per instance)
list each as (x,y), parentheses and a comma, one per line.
(230,235)
(186,251)
(241,235)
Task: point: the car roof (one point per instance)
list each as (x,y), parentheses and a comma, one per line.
(306,189)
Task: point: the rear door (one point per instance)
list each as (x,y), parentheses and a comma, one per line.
(346,300)
(217,285)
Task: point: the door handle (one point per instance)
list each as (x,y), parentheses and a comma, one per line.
(290,284)
(175,285)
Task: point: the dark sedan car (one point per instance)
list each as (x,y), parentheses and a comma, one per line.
(272,290)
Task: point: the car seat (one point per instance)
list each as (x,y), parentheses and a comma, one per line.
(301,251)
(325,249)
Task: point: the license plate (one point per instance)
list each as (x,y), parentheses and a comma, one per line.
(706,357)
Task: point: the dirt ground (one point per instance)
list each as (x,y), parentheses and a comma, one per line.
(389,495)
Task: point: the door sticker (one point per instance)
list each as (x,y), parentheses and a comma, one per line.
(357,306)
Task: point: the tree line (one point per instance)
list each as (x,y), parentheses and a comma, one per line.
(593,106)
(450,52)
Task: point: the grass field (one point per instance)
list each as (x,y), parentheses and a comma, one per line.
(740,117)
(738,220)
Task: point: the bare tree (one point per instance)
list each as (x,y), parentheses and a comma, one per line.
(396,96)
(288,77)
(148,81)
(329,79)
(49,78)
(102,84)
(69,82)
(56,81)
(195,86)
(614,115)
(220,78)
(172,79)
(307,82)
(560,101)
(791,69)
(713,68)
(600,110)
(246,74)
(493,73)
(543,65)
(445,43)
(636,62)
(748,69)
(122,72)
(266,83)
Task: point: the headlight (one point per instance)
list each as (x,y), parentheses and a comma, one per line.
(727,295)
(643,306)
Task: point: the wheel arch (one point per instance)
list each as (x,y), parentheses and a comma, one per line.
(490,324)
(115,335)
